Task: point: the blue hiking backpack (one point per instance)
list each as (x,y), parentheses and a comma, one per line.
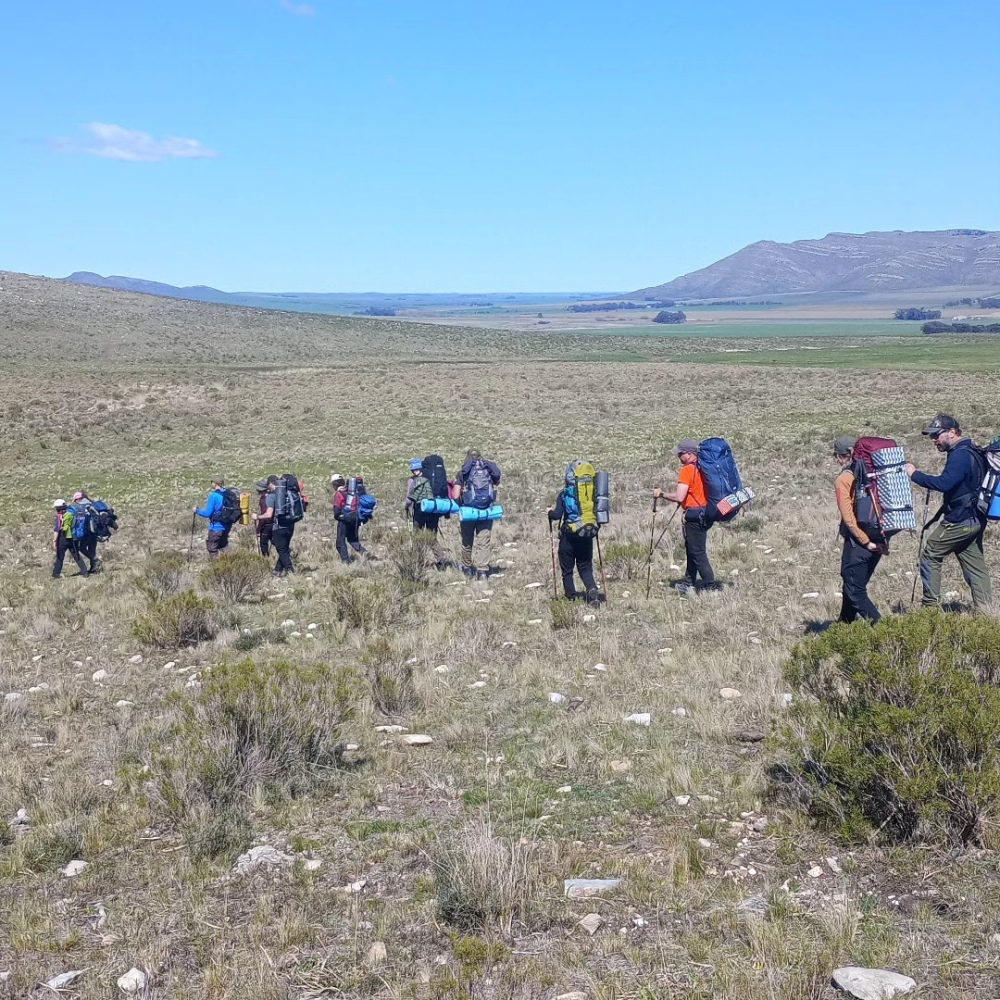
(81,521)
(366,507)
(723,486)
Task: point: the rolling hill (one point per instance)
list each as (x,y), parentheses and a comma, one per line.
(846,262)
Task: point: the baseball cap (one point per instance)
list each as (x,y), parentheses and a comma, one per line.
(688,445)
(59,503)
(261,485)
(844,445)
(78,495)
(942,422)
(415,464)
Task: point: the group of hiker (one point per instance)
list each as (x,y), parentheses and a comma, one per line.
(970,488)
(77,528)
(872,489)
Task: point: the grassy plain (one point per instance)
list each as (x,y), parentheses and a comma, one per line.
(517,792)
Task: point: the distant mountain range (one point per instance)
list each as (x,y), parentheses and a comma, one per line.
(846,262)
(334,303)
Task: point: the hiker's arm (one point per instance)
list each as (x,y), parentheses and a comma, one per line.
(558,510)
(204,512)
(674,496)
(495,473)
(952,474)
(845,503)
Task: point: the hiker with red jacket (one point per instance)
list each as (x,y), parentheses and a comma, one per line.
(962,524)
(862,548)
(691,497)
(345,513)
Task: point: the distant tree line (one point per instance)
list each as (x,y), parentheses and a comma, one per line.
(918,314)
(960,328)
(666,316)
(741,302)
(590,307)
(990,302)
(376,311)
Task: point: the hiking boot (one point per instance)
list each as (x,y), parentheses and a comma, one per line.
(711,588)
(482,574)
(469,572)
(595,598)
(687,589)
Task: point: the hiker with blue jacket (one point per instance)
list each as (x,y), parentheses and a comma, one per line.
(217,538)
(478,482)
(962,525)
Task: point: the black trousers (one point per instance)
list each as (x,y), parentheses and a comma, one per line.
(64,545)
(282,538)
(264,541)
(576,553)
(216,542)
(347,535)
(88,549)
(699,570)
(857,564)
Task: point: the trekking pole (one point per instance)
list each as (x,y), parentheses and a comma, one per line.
(920,546)
(552,546)
(194,520)
(604,579)
(649,558)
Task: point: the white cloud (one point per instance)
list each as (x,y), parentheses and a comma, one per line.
(302,9)
(112,142)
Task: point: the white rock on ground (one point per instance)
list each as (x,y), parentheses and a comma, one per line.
(564,790)
(99,675)
(64,979)
(257,858)
(377,955)
(555,697)
(12,696)
(532,586)
(639,718)
(591,923)
(585,888)
(74,868)
(682,800)
(390,729)
(730,694)
(872,984)
(679,712)
(601,667)
(137,659)
(574,995)
(133,981)
(418,739)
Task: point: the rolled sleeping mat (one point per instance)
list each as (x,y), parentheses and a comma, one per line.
(494,513)
(438,505)
(244,508)
(602,497)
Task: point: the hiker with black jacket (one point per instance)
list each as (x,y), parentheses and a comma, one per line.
(217,539)
(285,520)
(478,482)
(691,497)
(862,552)
(63,542)
(576,550)
(962,525)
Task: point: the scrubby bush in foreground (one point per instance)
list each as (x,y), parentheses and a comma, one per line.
(175,622)
(161,575)
(897,730)
(390,677)
(236,576)
(365,604)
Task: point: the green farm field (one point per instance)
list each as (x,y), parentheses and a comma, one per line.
(438,871)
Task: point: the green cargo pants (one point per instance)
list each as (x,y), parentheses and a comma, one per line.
(966,541)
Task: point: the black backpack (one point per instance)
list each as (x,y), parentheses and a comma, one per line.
(433,471)
(231,512)
(288,505)
(103,520)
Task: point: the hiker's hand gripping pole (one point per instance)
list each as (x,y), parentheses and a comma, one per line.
(552,546)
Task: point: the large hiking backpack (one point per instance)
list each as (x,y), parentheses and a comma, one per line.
(478,490)
(580,500)
(433,472)
(80,526)
(724,488)
(103,520)
(230,512)
(288,505)
(989,491)
(883,495)
(359,501)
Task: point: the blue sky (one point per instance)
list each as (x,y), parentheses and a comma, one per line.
(461,146)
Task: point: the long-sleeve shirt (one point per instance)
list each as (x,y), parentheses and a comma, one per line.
(959,482)
(845,485)
(213,505)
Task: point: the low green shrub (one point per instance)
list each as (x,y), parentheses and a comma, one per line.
(237,576)
(175,622)
(390,677)
(161,575)
(625,560)
(896,732)
(563,613)
(413,556)
(361,603)
(255,638)
(269,727)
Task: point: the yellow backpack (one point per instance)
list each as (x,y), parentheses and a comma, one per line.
(580,500)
